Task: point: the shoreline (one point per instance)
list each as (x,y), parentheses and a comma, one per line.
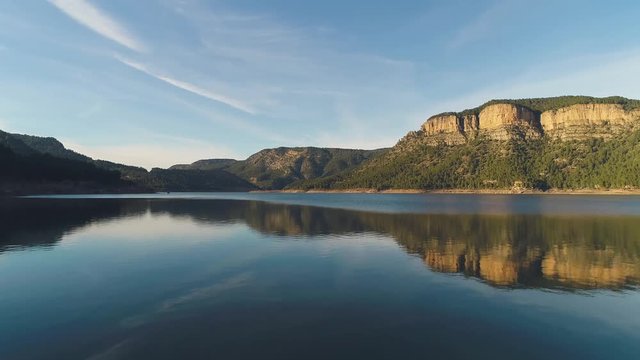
(610,192)
(465,191)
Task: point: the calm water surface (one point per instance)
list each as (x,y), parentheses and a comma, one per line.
(320,276)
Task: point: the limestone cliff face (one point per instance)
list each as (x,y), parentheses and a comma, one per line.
(445,128)
(584,120)
(504,121)
(470,124)
(498,122)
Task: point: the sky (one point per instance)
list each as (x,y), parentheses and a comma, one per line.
(159,82)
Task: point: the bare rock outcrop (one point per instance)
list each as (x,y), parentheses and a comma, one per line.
(587,120)
(504,121)
(444,128)
(497,122)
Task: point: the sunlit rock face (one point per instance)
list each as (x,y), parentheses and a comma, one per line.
(496,122)
(506,121)
(470,125)
(446,129)
(503,121)
(582,121)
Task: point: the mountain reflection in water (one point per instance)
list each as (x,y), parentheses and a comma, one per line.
(551,252)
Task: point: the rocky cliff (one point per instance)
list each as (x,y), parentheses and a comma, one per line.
(503,120)
(567,142)
(584,120)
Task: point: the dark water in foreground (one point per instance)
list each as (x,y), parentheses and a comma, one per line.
(320,277)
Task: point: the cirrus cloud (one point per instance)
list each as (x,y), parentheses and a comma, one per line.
(97,20)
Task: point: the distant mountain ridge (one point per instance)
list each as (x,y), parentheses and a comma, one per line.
(25,169)
(277,168)
(49,145)
(206,164)
(268,169)
(568,142)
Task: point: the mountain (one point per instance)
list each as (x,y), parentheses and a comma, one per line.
(267,169)
(32,172)
(33,164)
(570,142)
(206,164)
(49,145)
(275,169)
(29,144)
(281,167)
(196,180)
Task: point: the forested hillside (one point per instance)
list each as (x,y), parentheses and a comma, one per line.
(275,169)
(45,160)
(43,173)
(486,164)
(561,143)
(567,142)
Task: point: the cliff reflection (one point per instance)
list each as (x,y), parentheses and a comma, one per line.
(573,252)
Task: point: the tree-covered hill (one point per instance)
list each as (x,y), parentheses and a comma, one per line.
(601,157)
(485,164)
(196,180)
(278,168)
(205,164)
(32,164)
(43,173)
(523,143)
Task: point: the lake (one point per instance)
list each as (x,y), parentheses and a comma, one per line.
(320,276)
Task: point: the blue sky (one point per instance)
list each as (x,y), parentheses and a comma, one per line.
(159,82)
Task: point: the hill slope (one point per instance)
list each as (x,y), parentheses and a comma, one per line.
(267,169)
(33,164)
(30,173)
(280,167)
(206,164)
(196,180)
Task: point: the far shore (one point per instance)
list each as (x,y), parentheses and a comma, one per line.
(466,191)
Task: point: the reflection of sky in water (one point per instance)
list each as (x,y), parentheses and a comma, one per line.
(167,278)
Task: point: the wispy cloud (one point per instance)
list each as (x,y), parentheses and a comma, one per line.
(285,70)
(192,88)
(97,20)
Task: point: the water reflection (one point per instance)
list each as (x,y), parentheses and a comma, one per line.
(552,252)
